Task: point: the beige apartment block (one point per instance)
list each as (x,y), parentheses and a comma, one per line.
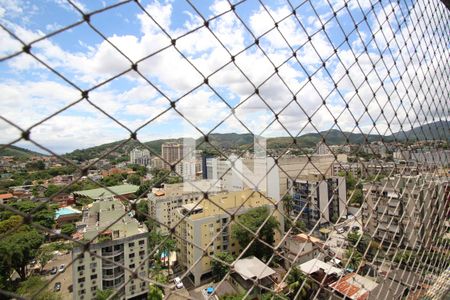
(163,202)
(124,244)
(402,209)
(200,222)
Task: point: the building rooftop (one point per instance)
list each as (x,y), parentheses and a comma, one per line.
(303,237)
(388,289)
(178,189)
(230,202)
(354,286)
(252,268)
(103,193)
(65,211)
(315,265)
(6,196)
(109,215)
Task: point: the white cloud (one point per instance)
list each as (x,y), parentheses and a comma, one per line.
(133,102)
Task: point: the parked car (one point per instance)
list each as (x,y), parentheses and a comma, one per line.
(54,270)
(355,228)
(178,282)
(340,230)
(346,227)
(62,268)
(57,287)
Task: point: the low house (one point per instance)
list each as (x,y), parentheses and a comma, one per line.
(67,215)
(353,286)
(6,198)
(250,269)
(63,199)
(321,271)
(301,248)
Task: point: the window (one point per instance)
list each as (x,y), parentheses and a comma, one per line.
(93,265)
(93,276)
(142,252)
(80,268)
(141,242)
(93,288)
(131,244)
(132,266)
(131,255)
(80,280)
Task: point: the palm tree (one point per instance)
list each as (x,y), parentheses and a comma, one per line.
(168,246)
(297,280)
(354,259)
(287,204)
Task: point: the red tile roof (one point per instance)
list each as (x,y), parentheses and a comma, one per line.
(6,196)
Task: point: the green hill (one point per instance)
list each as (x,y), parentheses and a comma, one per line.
(18,152)
(236,141)
(433,131)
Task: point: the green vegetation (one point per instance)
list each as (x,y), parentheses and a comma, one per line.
(33,285)
(17,250)
(134,179)
(68,229)
(300,287)
(105,294)
(160,176)
(362,243)
(43,214)
(356,197)
(287,204)
(43,256)
(220,269)
(155,292)
(114,179)
(18,152)
(353,259)
(24,177)
(142,210)
(253,219)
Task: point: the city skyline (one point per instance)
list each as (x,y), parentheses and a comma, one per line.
(87,60)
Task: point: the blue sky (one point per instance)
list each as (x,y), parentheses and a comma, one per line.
(30,92)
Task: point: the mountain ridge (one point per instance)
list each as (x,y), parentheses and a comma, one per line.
(236,141)
(230,141)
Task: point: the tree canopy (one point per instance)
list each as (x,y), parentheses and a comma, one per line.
(218,268)
(18,249)
(253,220)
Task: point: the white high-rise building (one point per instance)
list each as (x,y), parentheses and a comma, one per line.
(140,157)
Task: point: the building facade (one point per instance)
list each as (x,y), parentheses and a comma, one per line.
(319,200)
(163,202)
(114,246)
(401,209)
(171,152)
(200,222)
(140,157)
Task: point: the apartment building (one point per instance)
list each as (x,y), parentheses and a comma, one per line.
(200,222)
(322,148)
(402,209)
(269,176)
(163,202)
(124,243)
(319,200)
(171,152)
(140,156)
